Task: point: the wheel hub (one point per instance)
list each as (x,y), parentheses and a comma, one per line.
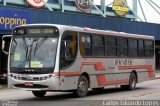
(82,86)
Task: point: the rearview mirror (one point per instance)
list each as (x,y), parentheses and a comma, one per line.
(6,43)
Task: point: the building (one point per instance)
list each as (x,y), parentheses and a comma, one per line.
(71,12)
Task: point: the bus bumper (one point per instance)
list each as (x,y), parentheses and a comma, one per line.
(49,84)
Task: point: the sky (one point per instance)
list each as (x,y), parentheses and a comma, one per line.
(151,15)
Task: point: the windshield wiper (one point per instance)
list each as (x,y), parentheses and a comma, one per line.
(28,47)
(13,49)
(38,44)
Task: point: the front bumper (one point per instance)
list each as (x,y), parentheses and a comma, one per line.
(49,84)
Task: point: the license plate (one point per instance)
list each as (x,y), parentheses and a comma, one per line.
(28,84)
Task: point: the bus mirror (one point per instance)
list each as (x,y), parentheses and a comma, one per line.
(6,43)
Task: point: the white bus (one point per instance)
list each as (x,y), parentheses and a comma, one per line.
(49,57)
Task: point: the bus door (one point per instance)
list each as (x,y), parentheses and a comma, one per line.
(68,53)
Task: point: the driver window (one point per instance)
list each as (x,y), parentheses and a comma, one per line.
(68,49)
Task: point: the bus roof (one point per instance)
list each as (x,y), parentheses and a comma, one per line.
(95,31)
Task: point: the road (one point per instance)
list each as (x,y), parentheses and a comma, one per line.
(149,90)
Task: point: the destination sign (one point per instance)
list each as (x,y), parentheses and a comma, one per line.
(35,31)
(41,31)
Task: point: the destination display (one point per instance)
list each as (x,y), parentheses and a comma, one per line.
(41,31)
(35,31)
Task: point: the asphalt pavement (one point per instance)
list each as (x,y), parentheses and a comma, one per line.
(145,91)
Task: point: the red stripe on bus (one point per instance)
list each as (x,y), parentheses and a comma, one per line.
(97,65)
(148,67)
(113,82)
(67,73)
(101,79)
(150,72)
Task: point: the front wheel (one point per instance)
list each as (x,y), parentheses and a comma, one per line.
(39,93)
(132,82)
(82,87)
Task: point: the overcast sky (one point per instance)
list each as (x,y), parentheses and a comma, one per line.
(151,15)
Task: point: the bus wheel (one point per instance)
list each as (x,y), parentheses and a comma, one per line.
(82,87)
(39,93)
(132,82)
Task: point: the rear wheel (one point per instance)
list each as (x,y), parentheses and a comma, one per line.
(82,87)
(132,82)
(39,93)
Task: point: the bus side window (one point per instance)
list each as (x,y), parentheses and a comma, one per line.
(98,45)
(111,46)
(141,48)
(68,49)
(122,47)
(149,51)
(85,45)
(132,48)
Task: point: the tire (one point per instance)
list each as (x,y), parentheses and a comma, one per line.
(39,93)
(132,82)
(82,87)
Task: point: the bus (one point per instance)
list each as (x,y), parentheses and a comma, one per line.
(49,57)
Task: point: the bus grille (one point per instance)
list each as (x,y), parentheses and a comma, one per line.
(30,78)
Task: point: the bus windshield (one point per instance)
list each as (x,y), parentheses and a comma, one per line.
(33,52)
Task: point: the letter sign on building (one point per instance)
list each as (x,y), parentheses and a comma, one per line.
(36,3)
(120,8)
(84,5)
(10,18)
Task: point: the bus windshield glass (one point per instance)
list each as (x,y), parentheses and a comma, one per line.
(33,51)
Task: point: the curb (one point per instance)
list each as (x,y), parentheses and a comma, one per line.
(157,78)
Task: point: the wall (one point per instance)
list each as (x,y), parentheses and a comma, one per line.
(92,21)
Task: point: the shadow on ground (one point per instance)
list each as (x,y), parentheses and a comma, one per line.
(68,96)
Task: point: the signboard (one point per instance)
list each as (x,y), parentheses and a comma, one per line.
(36,3)
(120,8)
(84,5)
(11,18)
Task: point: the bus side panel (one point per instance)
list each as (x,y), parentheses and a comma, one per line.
(69,76)
(111,74)
(144,69)
(150,68)
(95,68)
